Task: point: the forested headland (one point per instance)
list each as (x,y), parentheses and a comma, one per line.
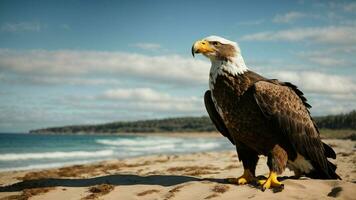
(185,124)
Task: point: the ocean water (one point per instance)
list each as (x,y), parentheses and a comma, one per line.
(26,151)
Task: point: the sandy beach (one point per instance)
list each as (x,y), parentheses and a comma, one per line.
(188,176)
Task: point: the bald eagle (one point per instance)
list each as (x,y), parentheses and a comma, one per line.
(262,116)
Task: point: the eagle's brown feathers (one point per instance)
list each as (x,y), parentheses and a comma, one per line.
(262,116)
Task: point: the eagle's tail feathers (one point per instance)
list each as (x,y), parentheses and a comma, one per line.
(321,174)
(329,152)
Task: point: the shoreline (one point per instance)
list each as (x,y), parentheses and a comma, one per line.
(186,176)
(343,134)
(87,163)
(165,134)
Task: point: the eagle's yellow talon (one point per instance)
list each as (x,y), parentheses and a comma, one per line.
(270,182)
(242,181)
(261,182)
(247,177)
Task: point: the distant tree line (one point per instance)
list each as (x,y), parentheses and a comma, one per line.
(185,124)
(341,121)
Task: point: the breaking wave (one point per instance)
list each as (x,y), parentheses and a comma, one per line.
(55,155)
(206,145)
(138,142)
(34,152)
(158,144)
(45,166)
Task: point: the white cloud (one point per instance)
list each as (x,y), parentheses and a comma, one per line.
(323,105)
(52,80)
(65,63)
(21,27)
(323,59)
(143,94)
(344,35)
(326,61)
(330,57)
(342,50)
(288,17)
(317,82)
(148,46)
(149,99)
(350,97)
(76,81)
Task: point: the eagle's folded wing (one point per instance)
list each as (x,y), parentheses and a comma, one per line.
(215,117)
(287,109)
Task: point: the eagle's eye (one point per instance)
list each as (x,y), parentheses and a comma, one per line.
(215,43)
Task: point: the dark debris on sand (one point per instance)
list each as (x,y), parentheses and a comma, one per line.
(27,193)
(99,190)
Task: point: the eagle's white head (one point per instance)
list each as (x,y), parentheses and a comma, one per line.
(223,54)
(216,48)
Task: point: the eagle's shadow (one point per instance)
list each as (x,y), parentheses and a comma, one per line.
(117,179)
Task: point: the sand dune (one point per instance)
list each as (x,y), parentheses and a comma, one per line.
(190,176)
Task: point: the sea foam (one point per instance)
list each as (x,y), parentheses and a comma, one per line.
(138,142)
(47,165)
(54,155)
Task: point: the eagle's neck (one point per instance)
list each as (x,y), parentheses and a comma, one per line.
(234,67)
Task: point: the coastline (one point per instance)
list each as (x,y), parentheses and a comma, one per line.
(186,176)
(325,134)
(164,134)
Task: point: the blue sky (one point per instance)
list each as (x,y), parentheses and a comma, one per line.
(79,62)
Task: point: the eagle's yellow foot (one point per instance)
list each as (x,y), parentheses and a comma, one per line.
(247,177)
(271,182)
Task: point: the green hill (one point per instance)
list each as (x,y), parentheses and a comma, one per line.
(185,124)
(341,121)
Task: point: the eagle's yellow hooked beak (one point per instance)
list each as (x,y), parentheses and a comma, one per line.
(201,46)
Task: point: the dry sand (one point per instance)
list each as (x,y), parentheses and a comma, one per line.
(190,176)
